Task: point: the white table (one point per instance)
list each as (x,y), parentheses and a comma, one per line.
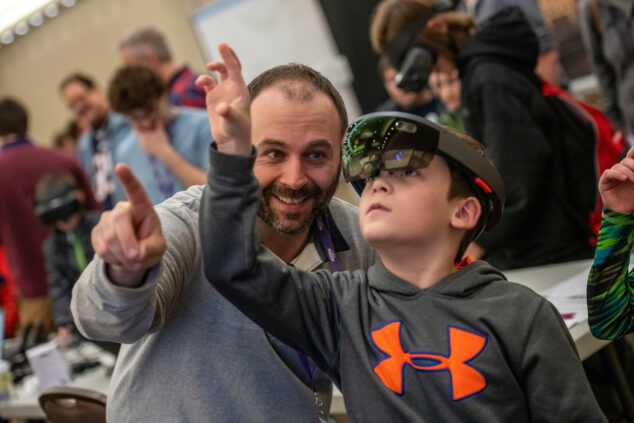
(96,379)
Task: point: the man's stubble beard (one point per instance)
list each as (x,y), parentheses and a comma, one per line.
(295,226)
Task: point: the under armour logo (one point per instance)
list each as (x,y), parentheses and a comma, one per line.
(463,347)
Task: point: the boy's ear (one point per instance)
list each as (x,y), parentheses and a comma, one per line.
(467,213)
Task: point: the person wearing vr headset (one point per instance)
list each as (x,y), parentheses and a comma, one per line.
(59,204)
(423,335)
(546,219)
(21,233)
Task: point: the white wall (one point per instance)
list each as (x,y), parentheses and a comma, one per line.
(84,38)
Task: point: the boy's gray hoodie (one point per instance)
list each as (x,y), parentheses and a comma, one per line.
(473,347)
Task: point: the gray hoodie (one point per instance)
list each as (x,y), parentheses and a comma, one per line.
(189,355)
(473,347)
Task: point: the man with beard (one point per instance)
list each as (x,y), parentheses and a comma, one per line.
(188,354)
(103,129)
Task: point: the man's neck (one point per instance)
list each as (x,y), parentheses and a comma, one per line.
(96,125)
(284,246)
(422,267)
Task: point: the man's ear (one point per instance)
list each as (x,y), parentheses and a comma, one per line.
(467,213)
(437,24)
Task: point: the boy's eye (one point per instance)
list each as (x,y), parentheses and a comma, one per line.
(410,172)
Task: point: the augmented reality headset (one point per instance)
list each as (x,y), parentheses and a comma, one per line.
(414,60)
(395,140)
(57,208)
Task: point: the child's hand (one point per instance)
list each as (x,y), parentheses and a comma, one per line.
(228,103)
(616,185)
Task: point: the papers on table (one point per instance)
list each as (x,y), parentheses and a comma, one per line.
(569,297)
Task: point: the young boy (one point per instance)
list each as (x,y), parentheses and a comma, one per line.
(67,250)
(416,338)
(610,284)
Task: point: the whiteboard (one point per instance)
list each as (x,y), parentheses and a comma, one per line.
(268,33)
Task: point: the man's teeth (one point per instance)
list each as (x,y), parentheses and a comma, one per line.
(291,200)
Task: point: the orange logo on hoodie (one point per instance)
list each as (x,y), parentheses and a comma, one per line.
(463,347)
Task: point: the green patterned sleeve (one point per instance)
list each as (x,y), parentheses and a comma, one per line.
(610,286)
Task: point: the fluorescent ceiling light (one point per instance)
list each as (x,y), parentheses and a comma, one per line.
(14,11)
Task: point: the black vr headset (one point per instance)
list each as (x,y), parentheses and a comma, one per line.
(414,60)
(58,203)
(395,140)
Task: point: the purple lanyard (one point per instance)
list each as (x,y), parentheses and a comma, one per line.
(165,180)
(326,243)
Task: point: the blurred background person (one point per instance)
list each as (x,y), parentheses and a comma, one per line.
(504,108)
(548,66)
(445,86)
(147,46)
(67,139)
(105,129)
(607,28)
(21,233)
(169,148)
(59,204)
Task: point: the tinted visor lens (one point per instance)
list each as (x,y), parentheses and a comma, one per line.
(376,143)
(57,209)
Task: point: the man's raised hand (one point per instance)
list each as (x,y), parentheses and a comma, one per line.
(616,185)
(129,237)
(228,103)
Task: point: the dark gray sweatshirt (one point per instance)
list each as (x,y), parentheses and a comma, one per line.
(471,348)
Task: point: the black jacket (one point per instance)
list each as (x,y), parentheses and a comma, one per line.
(503,108)
(61,266)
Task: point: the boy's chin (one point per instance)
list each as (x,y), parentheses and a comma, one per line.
(378,239)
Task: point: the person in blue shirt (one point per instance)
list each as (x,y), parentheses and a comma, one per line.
(102,131)
(168,147)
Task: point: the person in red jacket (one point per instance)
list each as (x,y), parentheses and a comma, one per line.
(7,297)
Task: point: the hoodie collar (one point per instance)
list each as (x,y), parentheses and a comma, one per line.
(462,283)
(506,37)
(21,141)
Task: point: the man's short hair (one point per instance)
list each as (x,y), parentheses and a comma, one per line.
(79,78)
(13,118)
(135,87)
(146,41)
(460,186)
(299,82)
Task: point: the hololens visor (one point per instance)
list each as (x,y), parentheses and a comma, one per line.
(395,140)
(58,208)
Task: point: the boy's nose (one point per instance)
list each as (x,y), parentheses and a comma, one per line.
(380,182)
(293,174)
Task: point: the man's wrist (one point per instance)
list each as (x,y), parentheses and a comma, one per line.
(236,149)
(125,278)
